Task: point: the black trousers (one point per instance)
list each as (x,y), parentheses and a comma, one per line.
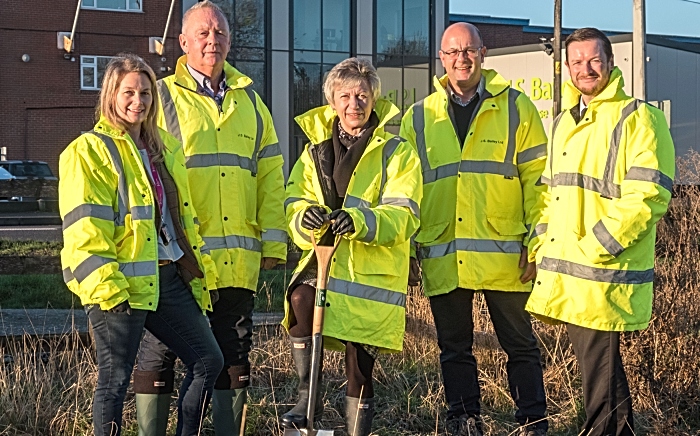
(606,394)
(455,331)
(232,324)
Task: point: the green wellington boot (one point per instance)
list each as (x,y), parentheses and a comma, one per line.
(359,413)
(227,410)
(152,412)
(301,354)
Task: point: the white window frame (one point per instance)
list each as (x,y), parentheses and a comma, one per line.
(126,6)
(84,65)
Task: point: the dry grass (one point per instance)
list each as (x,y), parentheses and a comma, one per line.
(50,392)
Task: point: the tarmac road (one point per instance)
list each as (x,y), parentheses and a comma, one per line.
(34,233)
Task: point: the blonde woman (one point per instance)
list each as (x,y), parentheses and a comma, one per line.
(131,248)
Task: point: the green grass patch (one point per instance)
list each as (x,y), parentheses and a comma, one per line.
(35,291)
(38,291)
(29,248)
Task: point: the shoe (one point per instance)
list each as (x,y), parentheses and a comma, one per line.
(152,412)
(359,413)
(463,426)
(227,410)
(301,354)
(531,430)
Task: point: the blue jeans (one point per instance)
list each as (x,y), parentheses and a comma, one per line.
(179,323)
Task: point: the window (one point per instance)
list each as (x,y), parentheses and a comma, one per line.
(114,5)
(92,68)
(246,19)
(403,51)
(321,40)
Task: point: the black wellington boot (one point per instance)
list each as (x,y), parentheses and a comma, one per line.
(301,354)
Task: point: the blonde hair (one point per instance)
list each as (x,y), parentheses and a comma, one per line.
(118,67)
(206,4)
(351,72)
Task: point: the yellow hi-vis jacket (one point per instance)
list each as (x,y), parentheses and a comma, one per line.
(610,178)
(110,242)
(368,278)
(234,164)
(479,198)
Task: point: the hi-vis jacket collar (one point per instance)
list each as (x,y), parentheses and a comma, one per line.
(495,83)
(234,78)
(317,123)
(613,90)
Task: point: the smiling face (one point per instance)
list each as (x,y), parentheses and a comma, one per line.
(462,53)
(354,106)
(205,39)
(589,67)
(134,100)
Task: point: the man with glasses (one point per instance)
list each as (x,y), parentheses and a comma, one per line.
(482,148)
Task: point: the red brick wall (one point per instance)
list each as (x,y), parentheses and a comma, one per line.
(43,107)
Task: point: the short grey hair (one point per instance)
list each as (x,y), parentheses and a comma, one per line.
(351,72)
(206,4)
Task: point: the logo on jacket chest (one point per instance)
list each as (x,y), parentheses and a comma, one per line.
(243,135)
(492,141)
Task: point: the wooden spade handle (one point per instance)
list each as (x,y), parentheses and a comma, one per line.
(324,256)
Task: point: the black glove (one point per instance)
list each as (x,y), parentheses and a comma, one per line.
(122,307)
(343,222)
(314,217)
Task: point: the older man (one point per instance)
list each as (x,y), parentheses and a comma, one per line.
(482,148)
(234,166)
(610,172)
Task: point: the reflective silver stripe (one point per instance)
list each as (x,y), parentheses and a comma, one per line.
(626,277)
(123,194)
(220,159)
(171,120)
(367,292)
(142,212)
(438,250)
(488,167)
(297,226)
(89,265)
(603,187)
(233,241)
(291,200)
(139,269)
(67,275)
(88,210)
(389,149)
(259,126)
(513,124)
(405,202)
(545,181)
(371,223)
(473,245)
(274,235)
(205,250)
(540,229)
(419,129)
(441,172)
(531,154)
(196,220)
(650,175)
(615,139)
(352,201)
(271,150)
(607,240)
(489,246)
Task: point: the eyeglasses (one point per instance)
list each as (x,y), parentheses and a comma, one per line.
(467,52)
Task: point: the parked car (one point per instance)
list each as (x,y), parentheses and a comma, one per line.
(28,181)
(28,169)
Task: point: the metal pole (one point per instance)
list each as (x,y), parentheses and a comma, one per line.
(68,45)
(556,107)
(160,49)
(639,50)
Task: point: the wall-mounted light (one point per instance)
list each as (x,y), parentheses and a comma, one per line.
(26,58)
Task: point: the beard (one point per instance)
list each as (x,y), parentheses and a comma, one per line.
(595,89)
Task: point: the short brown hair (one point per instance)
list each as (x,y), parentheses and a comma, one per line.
(588,34)
(118,67)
